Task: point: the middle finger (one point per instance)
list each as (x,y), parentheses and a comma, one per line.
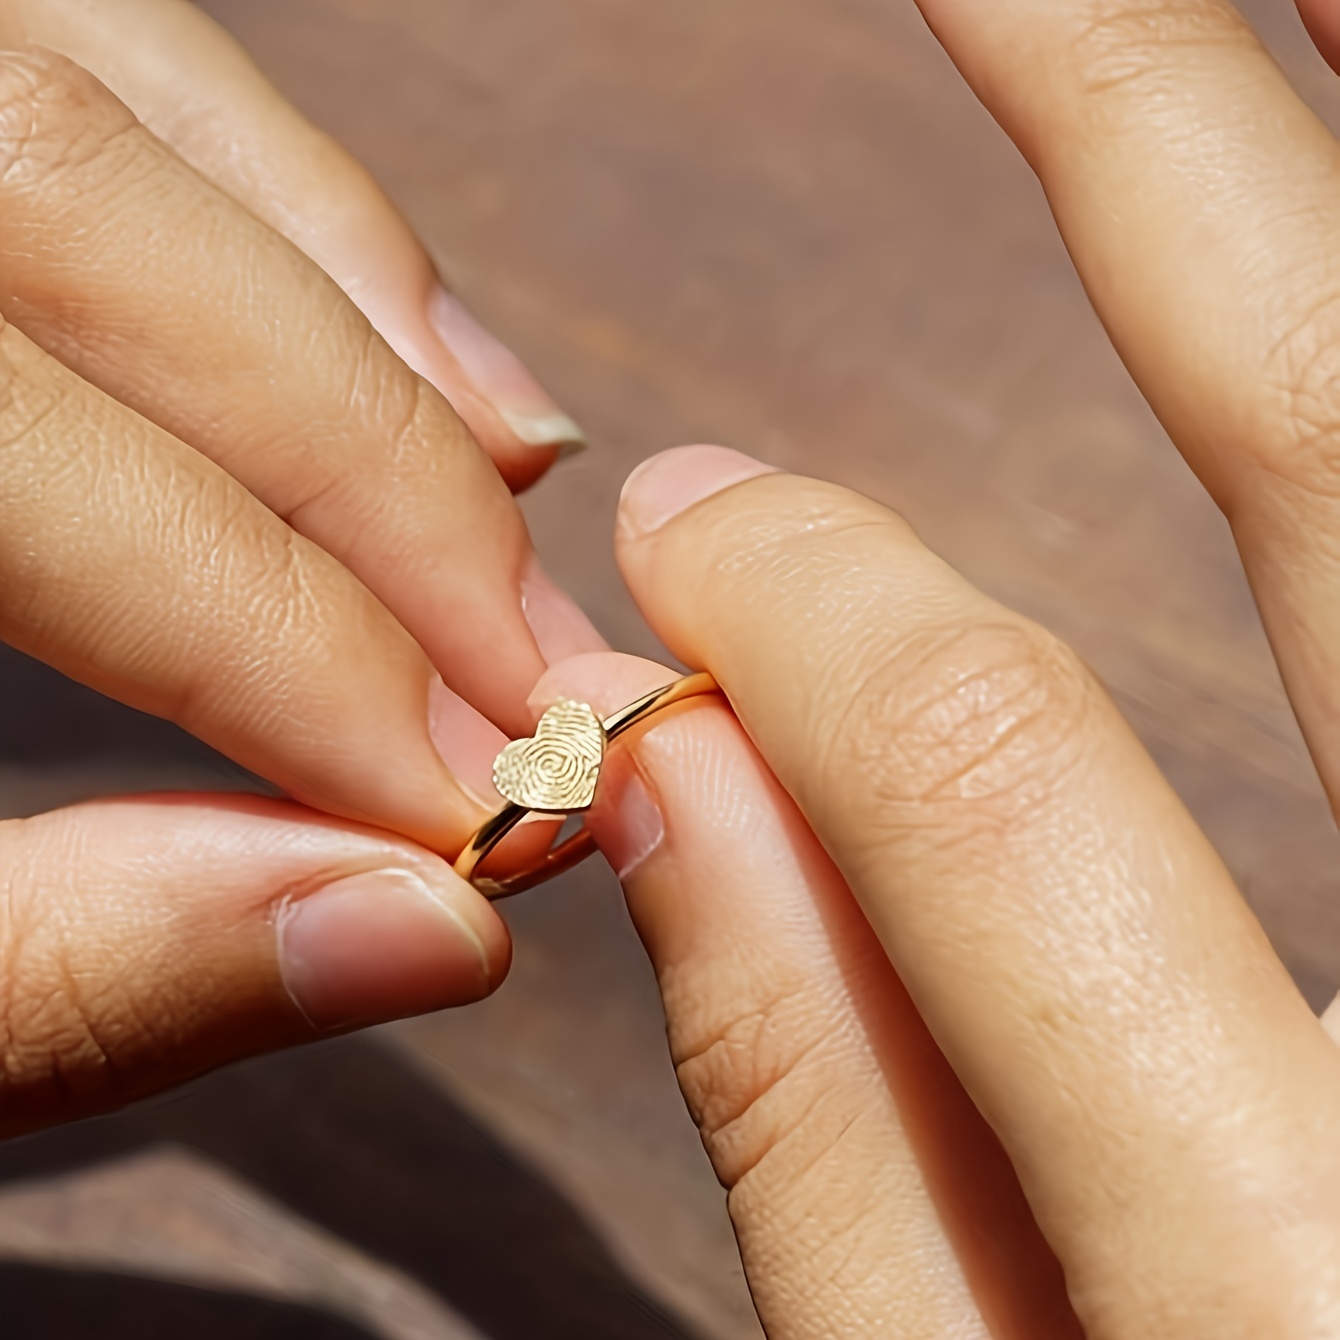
(133,564)
(154,286)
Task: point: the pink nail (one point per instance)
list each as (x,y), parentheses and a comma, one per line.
(501,378)
(668,484)
(467,741)
(378,946)
(633,829)
(560,626)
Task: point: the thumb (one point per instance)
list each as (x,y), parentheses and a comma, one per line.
(144,941)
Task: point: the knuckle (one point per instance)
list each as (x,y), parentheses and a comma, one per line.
(27,402)
(1126,44)
(53,115)
(380,392)
(360,379)
(754,1081)
(789,1098)
(415,441)
(813,530)
(378,387)
(55,1032)
(979,723)
(281,607)
(401,454)
(1301,375)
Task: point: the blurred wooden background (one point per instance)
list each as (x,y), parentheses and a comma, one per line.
(780,224)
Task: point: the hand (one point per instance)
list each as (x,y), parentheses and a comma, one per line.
(956,989)
(226,500)
(980,1036)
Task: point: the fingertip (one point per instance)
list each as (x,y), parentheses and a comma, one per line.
(467,741)
(491,931)
(1321,18)
(388,944)
(662,488)
(521,468)
(627,819)
(630,826)
(605,680)
(560,626)
(502,402)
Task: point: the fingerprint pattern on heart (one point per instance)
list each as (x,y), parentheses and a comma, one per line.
(556,770)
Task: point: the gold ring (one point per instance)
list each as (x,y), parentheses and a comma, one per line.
(555,772)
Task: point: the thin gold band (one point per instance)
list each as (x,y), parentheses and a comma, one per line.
(581,844)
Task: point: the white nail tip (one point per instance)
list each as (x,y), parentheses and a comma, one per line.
(546,430)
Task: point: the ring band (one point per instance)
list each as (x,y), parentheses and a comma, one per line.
(555,772)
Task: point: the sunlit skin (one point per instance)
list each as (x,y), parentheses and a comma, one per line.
(227,498)
(926,821)
(981,1038)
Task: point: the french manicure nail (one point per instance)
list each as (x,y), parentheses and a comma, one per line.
(501,378)
(467,741)
(668,484)
(377,946)
(559,624)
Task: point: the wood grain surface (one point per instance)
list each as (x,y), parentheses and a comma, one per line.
(787,226)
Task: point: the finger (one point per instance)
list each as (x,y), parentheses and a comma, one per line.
(236,343)
(1322,19)
(196,88)
(145,941)
(1073,943)
(1199,198)
(868,1195)
(1330,1020)
(135,565)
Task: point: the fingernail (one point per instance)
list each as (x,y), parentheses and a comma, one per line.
(668,484)
(378,946)
(467,741)
(634,829)
(559,624)
(502,379)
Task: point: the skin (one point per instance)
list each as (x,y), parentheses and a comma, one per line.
(951,883)
(981,1038)
(255,479)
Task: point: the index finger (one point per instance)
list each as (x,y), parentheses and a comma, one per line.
(867,1194)
(1074,944)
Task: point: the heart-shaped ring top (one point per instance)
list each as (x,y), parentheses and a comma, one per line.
(556,770)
